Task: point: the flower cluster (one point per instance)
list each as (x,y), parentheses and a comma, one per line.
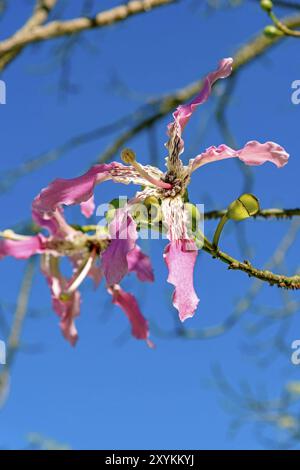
(106,252)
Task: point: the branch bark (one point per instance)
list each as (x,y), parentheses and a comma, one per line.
(35,32)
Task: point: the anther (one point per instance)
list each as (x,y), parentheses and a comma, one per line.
(128,156)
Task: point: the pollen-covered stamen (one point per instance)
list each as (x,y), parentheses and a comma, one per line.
(80,275)
(128,156)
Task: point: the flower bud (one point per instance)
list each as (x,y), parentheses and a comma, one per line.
(266,5)
(113,205)
(154,209)
(272,32)
(193,216)
(245,206)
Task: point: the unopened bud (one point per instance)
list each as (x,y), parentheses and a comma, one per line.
(193,215)
(245,206)
(266,5)
(272,32)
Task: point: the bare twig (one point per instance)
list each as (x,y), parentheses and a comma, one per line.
(13,341)
(10,47)
(39,16)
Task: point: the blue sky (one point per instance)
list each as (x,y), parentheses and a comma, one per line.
(112,391)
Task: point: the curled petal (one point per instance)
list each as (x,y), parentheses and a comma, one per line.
(123,236)
(129,305)
(88,207)
(71,191)
(175,144)
(47,222)
(184,112)
(55,223)
(22,249)
(67,309)
(254,153)
(180,257)
(140,263)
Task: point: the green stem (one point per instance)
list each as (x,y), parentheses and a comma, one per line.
(219,229)
(282,27)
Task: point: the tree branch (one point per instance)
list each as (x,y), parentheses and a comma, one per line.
(34,32)
(265,214)
(13,341)
(39,16)
(286,282)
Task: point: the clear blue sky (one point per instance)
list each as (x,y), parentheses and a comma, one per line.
(112,391)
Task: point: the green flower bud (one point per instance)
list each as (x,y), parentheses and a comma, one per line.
(245,206)
(151,200)
(272,32)
(113,205)
(154,209)
(266,5)
(193,216)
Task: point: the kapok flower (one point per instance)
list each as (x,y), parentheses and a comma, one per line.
(181,253)
(117,253)
(85,252)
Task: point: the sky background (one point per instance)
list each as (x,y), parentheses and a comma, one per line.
(111,391)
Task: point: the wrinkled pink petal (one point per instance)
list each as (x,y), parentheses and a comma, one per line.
(184,112)
(175,144)
(88,207)
(123,237)
(140,263)
(254,153)
(180,257)
(71,191)
(55,223)
(129,305)
(22,249)
(67,310)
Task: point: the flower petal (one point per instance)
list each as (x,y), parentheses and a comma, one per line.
(71,191)
(88,207)
(67,309)
(184,112)
(253,153)
(22,249)
(140,263)
(175,144)
(123,236)
(180,257)
(129,305)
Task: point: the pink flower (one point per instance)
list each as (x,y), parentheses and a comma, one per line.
(90,254)
(115,253)
(181,253)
